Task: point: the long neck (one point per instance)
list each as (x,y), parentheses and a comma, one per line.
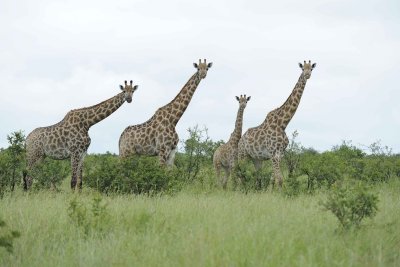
(237,133)
(92,115)
(178,105)
(286,112)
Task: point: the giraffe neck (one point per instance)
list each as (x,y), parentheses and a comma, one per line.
(237,133)
(92,115)
(285,113)
(178,105)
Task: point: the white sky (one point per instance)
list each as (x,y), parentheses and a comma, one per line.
(60,55)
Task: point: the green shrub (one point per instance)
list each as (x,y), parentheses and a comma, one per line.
(12,161)
(198,153)
(49,173)
(248,178)
(292,186)
(322,169)
(136,175)
(351,204)
(97,220)
(5,171)
(7,236)
(292,155)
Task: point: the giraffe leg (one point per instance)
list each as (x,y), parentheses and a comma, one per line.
(258,166)
(278,179)
(76,166)
(171,158)
(217,167)
(32,160)
(224,180)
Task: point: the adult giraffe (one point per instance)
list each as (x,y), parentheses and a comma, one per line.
(70,138)
(269,140)
(157,136)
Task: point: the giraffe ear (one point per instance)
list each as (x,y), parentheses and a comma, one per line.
(237,98)
(209,65)
(195,65)
(135,87)
(248,98)
(122,88)
(301,66)
(313,65)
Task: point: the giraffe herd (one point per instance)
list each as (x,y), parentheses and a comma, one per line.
(69,138)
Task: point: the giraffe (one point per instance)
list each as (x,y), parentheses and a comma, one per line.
(269,140)
(69,138)
(157,136)
(225,156)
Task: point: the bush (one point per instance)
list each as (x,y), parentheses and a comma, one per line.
(351,204)
(292,155)
(12,161)
(49,173)
(322,169)
(198,153)
(5,171)
(7,236)
(97,220)
(136,175)
(291,187)
(249,178)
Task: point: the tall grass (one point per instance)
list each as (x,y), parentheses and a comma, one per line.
(199,229)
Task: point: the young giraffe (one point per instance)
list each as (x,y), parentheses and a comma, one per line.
(69,138)
(225,156)
(269,140)
(157,136)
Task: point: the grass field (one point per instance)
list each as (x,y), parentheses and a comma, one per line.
(198,229)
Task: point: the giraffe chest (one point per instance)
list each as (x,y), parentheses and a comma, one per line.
(228,154)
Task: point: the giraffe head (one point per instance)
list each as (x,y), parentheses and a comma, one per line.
(307,68)
(202,68)
(243,100)
(128,90)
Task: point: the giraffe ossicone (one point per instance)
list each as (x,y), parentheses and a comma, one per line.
(269,140)
(157,136)
(69,138)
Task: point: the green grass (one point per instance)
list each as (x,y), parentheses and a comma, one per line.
(199,229)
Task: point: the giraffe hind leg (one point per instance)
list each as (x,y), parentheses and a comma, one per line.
(76,166)
(224,180)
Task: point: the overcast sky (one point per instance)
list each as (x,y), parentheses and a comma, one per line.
(60,55)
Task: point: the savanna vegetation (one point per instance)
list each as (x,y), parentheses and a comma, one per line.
(336,208)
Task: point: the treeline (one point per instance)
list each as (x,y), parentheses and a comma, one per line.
(305,169)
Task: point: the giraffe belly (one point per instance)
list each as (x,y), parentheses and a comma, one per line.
(261,152)
(56,150)
(145,149)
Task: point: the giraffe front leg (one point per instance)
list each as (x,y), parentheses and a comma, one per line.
(258,166)
(278,179)
(27,174)
(76,166)
(166,156)
(171,157)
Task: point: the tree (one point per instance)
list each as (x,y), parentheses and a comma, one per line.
(198,151)
(292,154)
(11,160)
